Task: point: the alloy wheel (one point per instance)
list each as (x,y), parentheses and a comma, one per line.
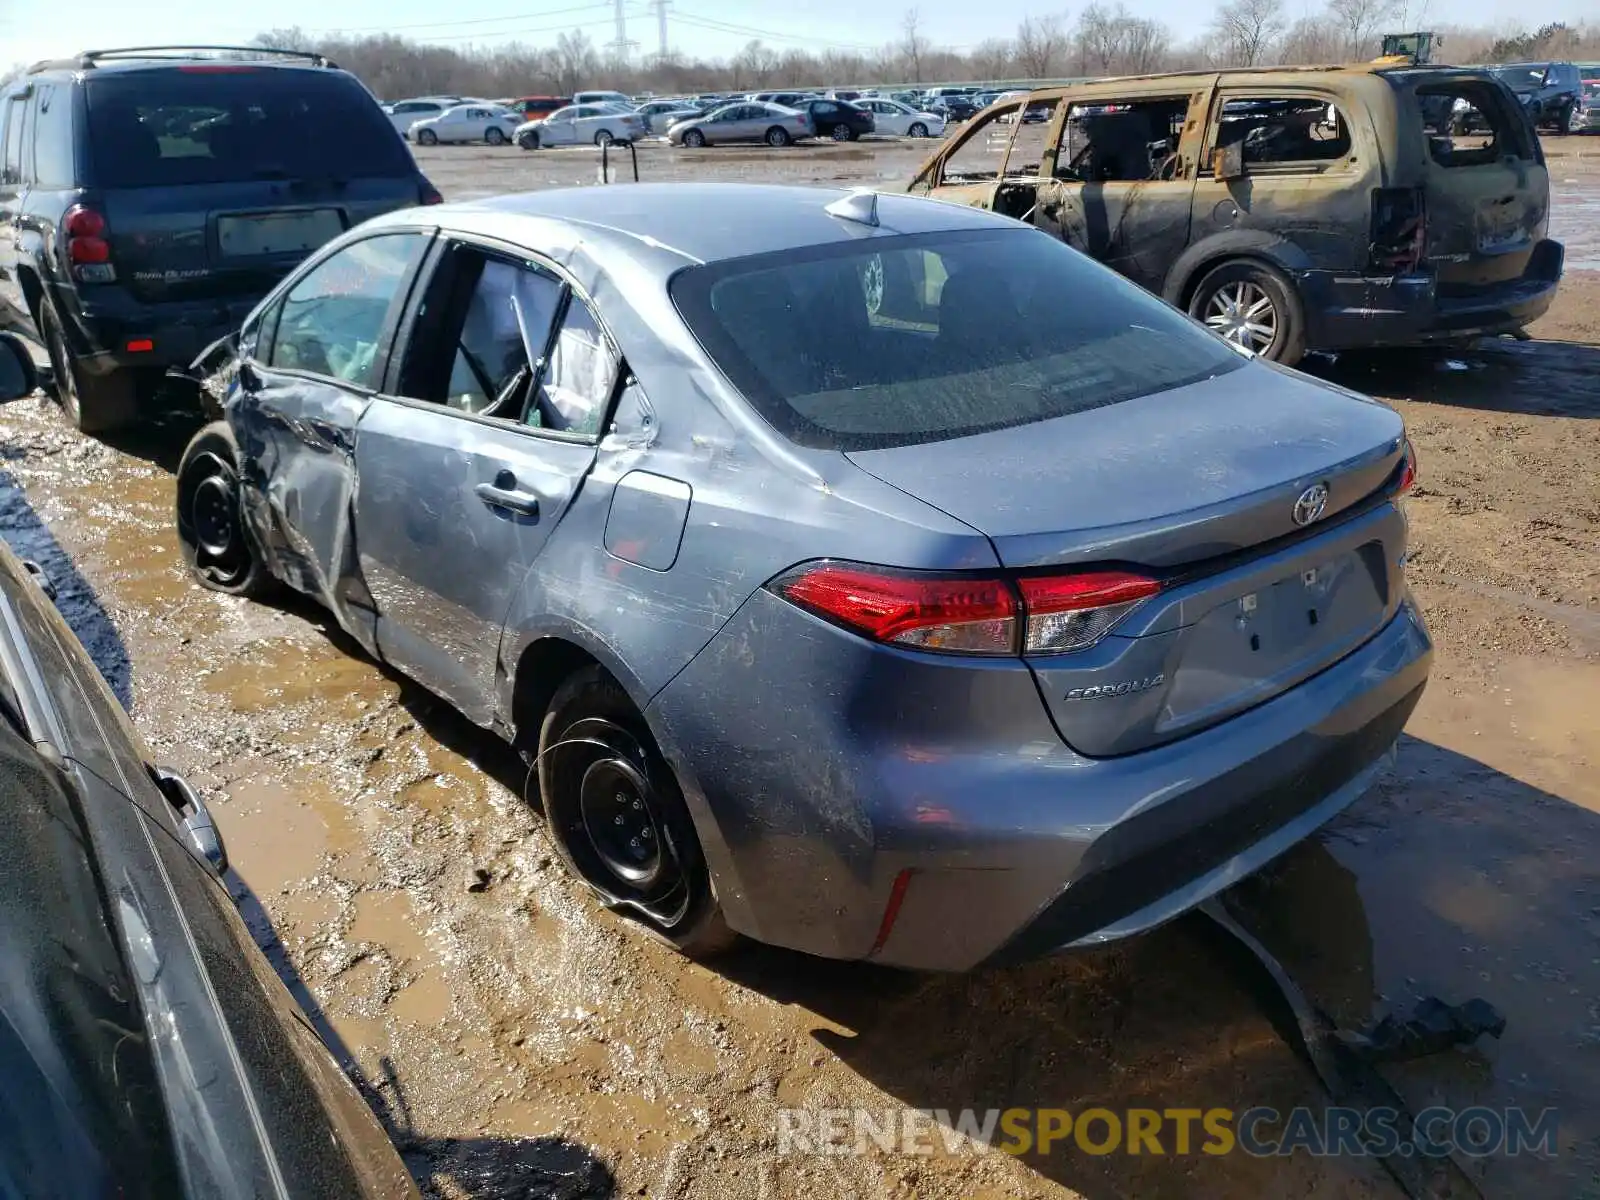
(841,132)
(1243,313)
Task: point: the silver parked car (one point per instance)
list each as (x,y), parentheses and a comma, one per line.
(661,115)
(749,121)
(873,576)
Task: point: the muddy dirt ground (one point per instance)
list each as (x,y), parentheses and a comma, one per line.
(521,1042)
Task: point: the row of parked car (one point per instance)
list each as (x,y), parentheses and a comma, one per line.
(599,118)
(1096,613)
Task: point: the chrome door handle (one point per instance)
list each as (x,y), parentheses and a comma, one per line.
(525,503)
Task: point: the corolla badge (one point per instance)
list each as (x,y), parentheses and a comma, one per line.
(1313,502)
(1127,687)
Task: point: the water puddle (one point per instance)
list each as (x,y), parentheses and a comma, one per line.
(275,837)
(388,919)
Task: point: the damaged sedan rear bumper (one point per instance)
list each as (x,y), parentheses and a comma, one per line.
(927,814)
(1345,312)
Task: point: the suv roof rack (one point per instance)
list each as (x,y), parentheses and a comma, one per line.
(92,58)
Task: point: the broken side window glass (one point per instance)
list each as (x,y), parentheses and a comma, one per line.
(1123,141)
(1284,129)
(577,382)
(503,332)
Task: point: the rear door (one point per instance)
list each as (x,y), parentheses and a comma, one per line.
(1487,191)
(323,348)
(470,461)
(1122,179)
(1310,161)
(561,127)
(215,180)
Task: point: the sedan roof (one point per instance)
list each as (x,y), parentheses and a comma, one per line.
(708,222)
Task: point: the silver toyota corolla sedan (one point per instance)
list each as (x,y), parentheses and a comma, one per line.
(871,576)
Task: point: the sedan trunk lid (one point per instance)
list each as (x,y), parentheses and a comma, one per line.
(1213,489)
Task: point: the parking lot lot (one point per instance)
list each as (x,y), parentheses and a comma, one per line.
(520,1041)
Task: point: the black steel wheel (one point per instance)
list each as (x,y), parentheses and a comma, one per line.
(211,531)
(618,817)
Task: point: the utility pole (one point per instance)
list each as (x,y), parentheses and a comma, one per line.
(620,45)
(661,7)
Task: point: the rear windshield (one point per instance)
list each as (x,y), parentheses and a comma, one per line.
(894,341)
(192,125)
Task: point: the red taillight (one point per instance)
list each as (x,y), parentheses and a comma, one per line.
(955,614)
(1071,612)
(430,194)
(1408,469)
(976,614)
(141,346)
(87,248)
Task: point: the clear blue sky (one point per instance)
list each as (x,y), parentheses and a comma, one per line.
(32,29)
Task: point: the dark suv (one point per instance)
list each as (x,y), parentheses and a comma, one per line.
(1550,92)
(149,198)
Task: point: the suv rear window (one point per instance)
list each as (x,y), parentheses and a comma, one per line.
(895,341)
(1473,123)
(191,125)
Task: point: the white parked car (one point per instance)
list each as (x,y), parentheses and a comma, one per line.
(403,114)
(467,123)
(578,124)
(661,115)
(890,116)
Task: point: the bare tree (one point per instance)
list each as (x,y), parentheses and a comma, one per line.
(913,43)
(576,61)
(1248,28)
(756,63)
(1100,34)
(1144,45)
(992,59)
(1040,41)
(1311,40)
(1358,19)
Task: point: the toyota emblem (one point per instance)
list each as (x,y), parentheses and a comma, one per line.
(1313,502)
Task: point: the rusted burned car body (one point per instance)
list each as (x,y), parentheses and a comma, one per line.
(1321,193)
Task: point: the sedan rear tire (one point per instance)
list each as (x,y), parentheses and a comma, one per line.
(603,138)
(211,531)
(494,136)
(618,818)
(842,133)
(778,137)
(1255,306)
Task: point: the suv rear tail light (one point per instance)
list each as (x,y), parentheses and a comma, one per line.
(430,194)
(968,614)
(956,614)
(1399,230)
(1072,612)
(88,251)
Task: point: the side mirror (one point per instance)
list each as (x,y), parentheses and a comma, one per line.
(1227,162)
(18,376)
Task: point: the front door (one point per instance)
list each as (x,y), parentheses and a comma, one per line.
(322,354)
(467,467)
(1123,181)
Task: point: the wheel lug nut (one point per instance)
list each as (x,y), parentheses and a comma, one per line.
(638,804)
(619,820)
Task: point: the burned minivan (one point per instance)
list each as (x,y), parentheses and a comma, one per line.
(1290,209)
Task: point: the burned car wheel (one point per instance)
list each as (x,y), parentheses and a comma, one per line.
(1253,306)
(211,531)
(618,818)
